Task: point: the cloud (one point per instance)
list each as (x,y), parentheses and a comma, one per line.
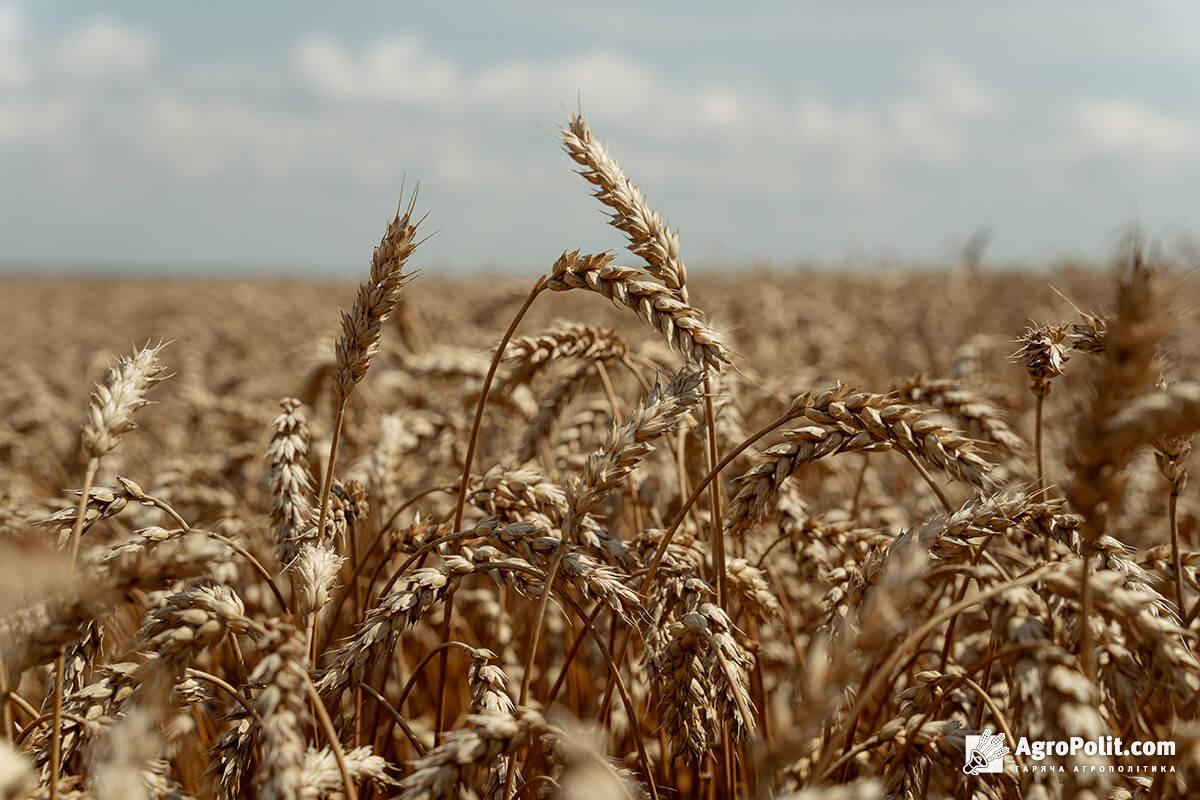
(930,122)
(396,104)
(927,123)
(1128,130)
(15,70)
(106,48)
(12,25)
(203,139)
(396,69)
(24,120)
(401,70)
(948,88)
(320,117)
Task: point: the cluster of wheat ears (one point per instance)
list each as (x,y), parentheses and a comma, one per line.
(803,553)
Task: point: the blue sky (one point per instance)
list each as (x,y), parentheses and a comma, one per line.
(275,135)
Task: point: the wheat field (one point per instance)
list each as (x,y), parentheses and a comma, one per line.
(606,531)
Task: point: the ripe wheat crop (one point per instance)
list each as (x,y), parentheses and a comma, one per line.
(602,532)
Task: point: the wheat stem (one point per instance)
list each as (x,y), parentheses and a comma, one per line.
(468,460)
(332,737)
(327,484)
(937,490)
(1176,558)
(1037,442)
(1085,611)
(89,476)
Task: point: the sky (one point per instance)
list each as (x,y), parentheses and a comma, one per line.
(182,138)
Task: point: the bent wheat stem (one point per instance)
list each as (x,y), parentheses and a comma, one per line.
(464,482)
(332,736)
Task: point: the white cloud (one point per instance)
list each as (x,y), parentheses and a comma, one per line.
(951,90)
(928,123)
(397,104)
(30,119)
(402,70)
(106,48)
(204,139)
(397,69)
(1128,130)
(12,25)
(15,69)
(357,117)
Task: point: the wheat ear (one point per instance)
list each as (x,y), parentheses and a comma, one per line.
(362,329)
(649,237)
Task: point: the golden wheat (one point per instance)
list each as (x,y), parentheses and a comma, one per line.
(473,547)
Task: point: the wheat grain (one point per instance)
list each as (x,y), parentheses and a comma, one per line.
(375,301)
(110,414)
(649,237)
(281,704)
(291,482)
(657,306)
